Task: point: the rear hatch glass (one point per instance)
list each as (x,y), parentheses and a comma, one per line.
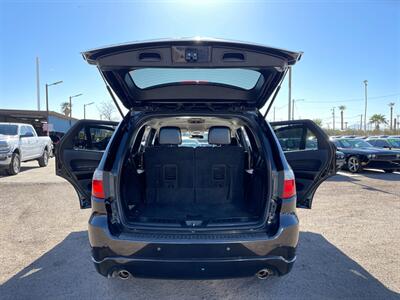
(152,77)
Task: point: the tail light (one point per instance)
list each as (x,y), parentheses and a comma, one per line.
(97,185)
(289,185)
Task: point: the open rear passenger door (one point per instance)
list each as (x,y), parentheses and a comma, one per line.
(309,153)
(79,153)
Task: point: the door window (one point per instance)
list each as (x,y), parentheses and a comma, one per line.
(295,138)
(382,143)
(26,131)
(30,131)
(93,137)
(23,131)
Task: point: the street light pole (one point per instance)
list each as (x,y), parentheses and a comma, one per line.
(293,101)
(84,109)
(290,92)
(47,102)
(70,107)
(366,101)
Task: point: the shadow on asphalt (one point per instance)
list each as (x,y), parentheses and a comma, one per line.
(22,169)
(376,174)
(321,271)
(342,178)
(370,174)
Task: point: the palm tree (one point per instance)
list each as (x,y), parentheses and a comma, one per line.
(65,108)
(341,108)
(377,119)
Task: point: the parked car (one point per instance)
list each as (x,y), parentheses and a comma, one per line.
(360,154)
(349,136)
(20,143)
(168,207)
(387,143)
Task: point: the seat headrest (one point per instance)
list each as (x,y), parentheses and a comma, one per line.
(170,136)
(219,135)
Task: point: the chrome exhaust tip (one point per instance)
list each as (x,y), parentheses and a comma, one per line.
(264,273)
(124,274)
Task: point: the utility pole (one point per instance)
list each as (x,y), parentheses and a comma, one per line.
(345,125)
(391,104)
(361,122)
(292,109)
(366,101)
(398,122)
(37,83)
(333,118)
(293,101)
(274,113)
(290,92)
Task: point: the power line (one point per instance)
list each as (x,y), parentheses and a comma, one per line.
(352,99)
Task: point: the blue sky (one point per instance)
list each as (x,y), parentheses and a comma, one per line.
(344,43)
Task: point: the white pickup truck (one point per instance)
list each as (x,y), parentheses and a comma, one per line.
(19,143)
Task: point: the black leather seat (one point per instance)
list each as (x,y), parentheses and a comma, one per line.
(219,169)
(169,169)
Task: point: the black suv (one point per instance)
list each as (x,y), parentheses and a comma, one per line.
(194,183)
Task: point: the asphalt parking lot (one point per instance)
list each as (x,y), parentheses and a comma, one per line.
(349,246)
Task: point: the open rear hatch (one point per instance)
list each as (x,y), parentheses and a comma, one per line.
(188,74)
(192,71)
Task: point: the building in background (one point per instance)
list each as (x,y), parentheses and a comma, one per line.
(58,123)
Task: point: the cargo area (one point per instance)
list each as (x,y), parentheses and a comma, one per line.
(194,172)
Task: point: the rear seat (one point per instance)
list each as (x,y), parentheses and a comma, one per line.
(219,169)
(206,175)
(169,169)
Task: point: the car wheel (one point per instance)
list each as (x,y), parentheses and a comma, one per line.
(388,171)
(15,165)
(354,164)
(44,159)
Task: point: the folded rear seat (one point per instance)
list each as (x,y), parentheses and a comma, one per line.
(169,169)
(219,169)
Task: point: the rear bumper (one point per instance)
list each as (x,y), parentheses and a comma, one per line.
(193,256)
(194,269)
